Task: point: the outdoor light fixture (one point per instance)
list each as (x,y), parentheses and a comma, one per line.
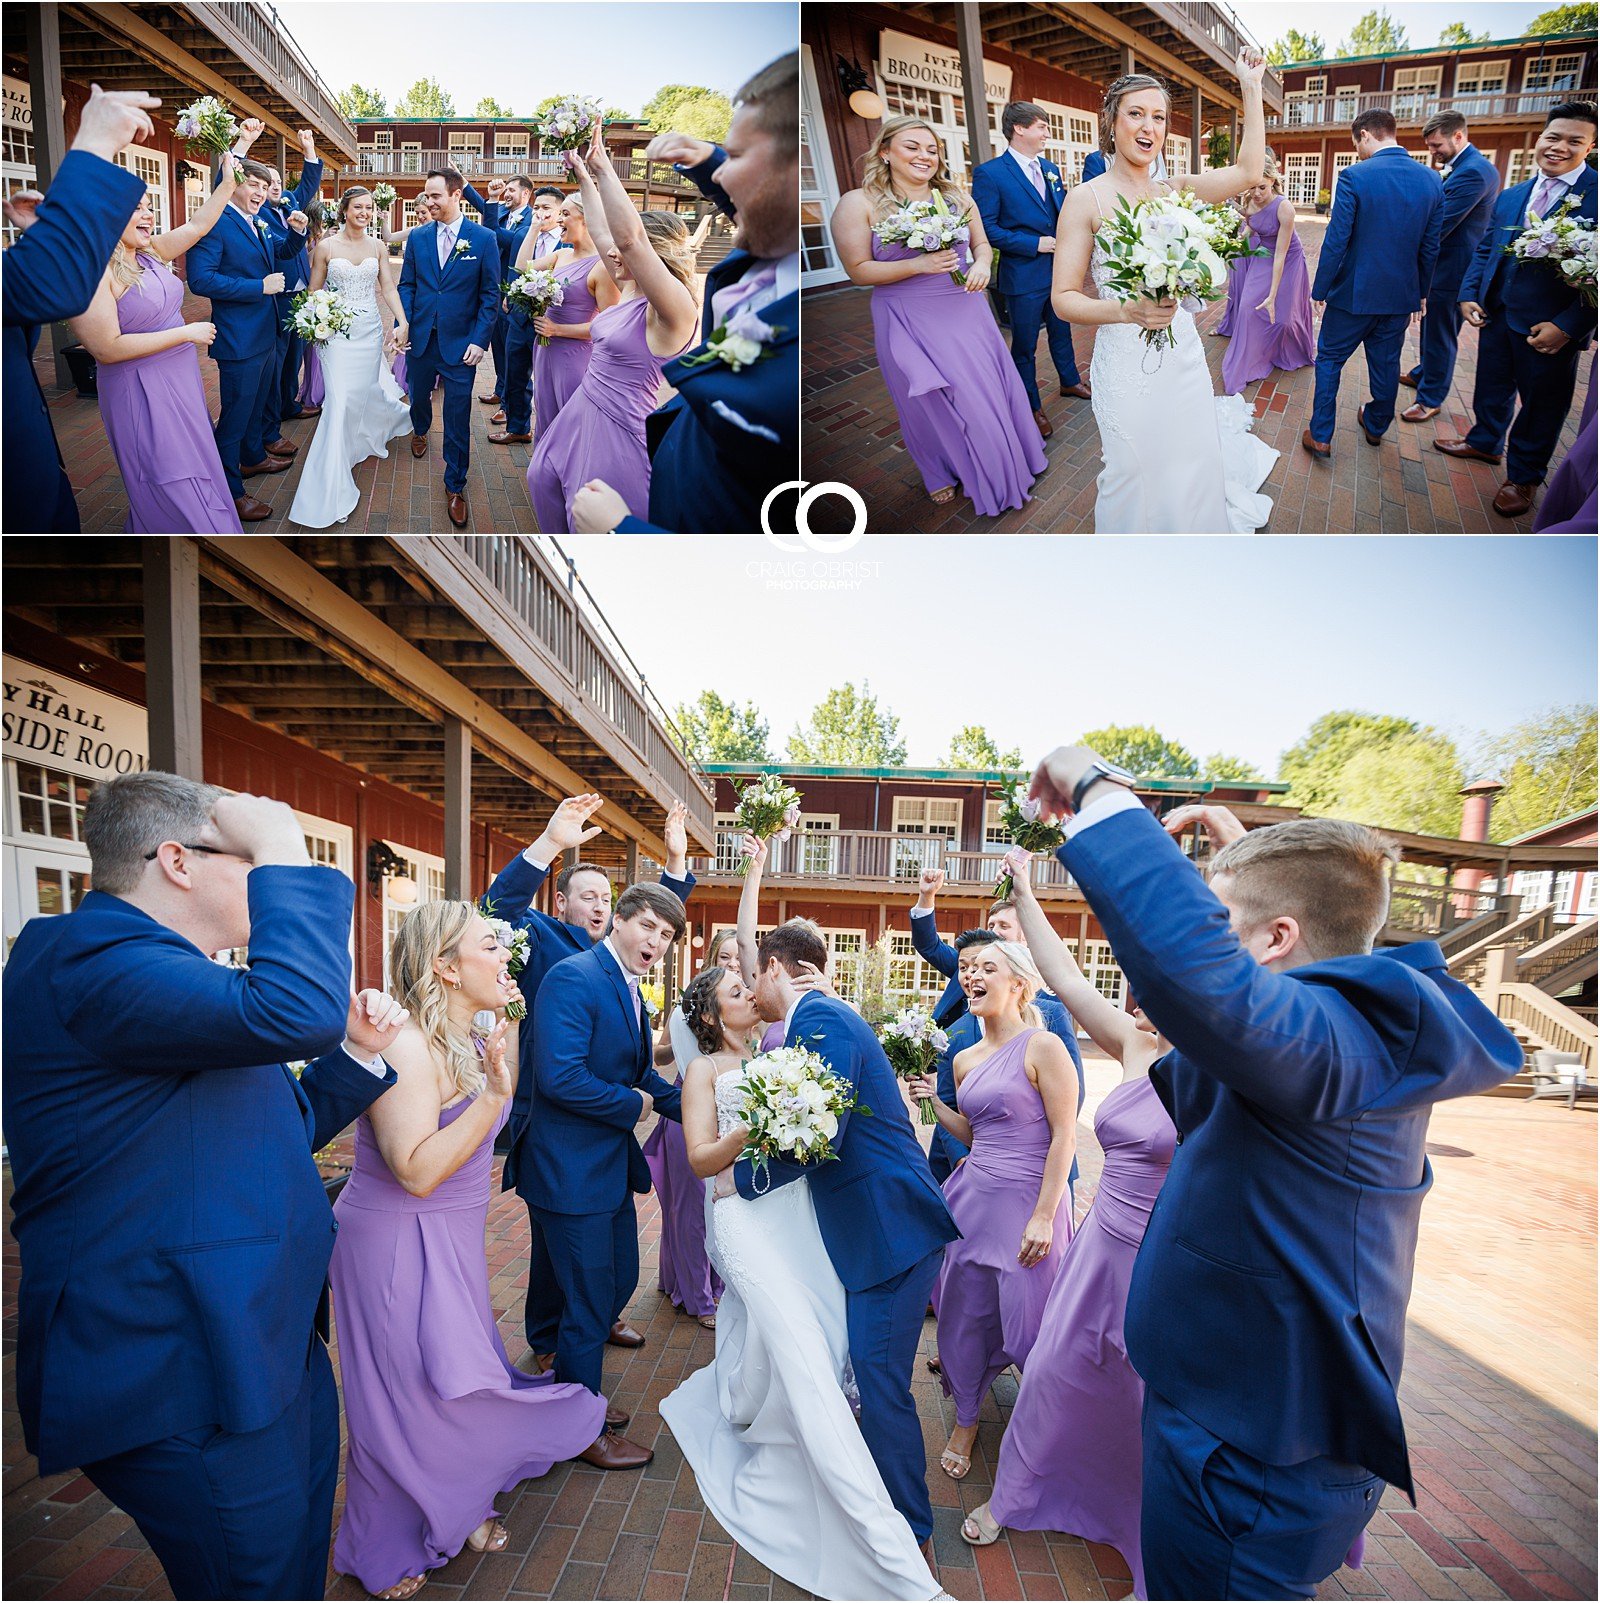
(864,99)
(384,863)
(698,942)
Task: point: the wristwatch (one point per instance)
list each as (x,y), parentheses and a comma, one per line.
(1096,771)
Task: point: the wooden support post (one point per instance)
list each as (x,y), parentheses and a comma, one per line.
(457,810)
(1127,60)
(1197,155)
(172,653)
(969,37)
(632,861)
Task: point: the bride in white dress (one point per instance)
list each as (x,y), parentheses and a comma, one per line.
(1179,458)
(768,1428)
(362,408)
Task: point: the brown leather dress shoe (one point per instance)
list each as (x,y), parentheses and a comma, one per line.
(1514,499)
(251,510)
(1419,413)
(1046,428)
(1080,390)
(543,1363)
(419,444)
(1406,378)
(271,464)
(1361,418)
(617,1418)
(1316,447)
(499,417)
(282,448)
(488,400)
(624,1335)
(456,508)
(1459,448)
(510,439)
(611,1451)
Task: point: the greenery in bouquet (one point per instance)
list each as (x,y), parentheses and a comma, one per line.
(1162,249)
(570,123)
(319,315)
(912,1042)
(383,196)
(1564,241)
(768,809)
(1025,825)
(207,125)
(925,225)
(516,941)
(791,1103)
(534,291)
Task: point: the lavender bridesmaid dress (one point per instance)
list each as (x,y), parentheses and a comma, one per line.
(1257,346)
(686,1273)
(1569,504)
(558,367)
(155,415)
(439,1421)
(311,386)
(599,433)
(988,1305)
(964,414)
(1079,1390)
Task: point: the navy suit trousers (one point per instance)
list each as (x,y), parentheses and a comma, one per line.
(1027,312)
(595,1259)
(275,412)
(1382,335)
(541,1312)
(497,348)
(239,1516)
(1509,368)
(422,367)
(1217,1523)
(289,392)
(247,388)
(517,390)
(1441,333)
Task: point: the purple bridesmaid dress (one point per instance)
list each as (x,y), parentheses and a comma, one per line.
(686,1273)
(599,433)
(439,1421)
(964,414)
(1569,504)
(1079,1388)
(988,1305)
(558,367)
(311,386)
(155,415)
(1257,346)
(773,1036)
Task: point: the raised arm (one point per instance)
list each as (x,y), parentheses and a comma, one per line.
(924,927)
(1217,184)
(172,244)
(749,919)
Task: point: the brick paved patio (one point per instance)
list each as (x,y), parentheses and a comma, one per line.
(1499,1397)
(849,432)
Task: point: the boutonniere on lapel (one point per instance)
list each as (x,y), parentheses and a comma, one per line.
(462,249)
(741,342)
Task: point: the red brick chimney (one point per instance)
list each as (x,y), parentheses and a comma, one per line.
(1477,803)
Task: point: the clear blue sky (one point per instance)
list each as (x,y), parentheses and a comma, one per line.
(1421,19)
(519,51)
(1224,644)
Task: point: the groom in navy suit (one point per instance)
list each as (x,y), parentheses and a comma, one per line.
(174,1230)
(1019,195)
(882,1217)
(1267,1309)
(1373,275)
(449,289)
(1532,325)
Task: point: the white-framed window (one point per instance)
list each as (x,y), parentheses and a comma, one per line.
(426,872)
(1305,104)
(819,843)
(1543,78)
(464,148)
(1342,161)
(1425,156)
(947,115)
(1415,91)
(376,155)
(1346,102)
(410,156)
(844,952)
(909,978)
(1588,900)
(511,147)
(1533,888)
(46,802)
(18,169)
(938,817)
(1178,156)
(1520,168)
(150,166)
(819,189)
(1083,137)
(728,857)
(196,188)
(1302,177)
(1478,85)
(1101,970)
(994,832)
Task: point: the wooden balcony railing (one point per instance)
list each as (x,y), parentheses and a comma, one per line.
(1410,107)
(474,166)
(1223,28)
(1424,910)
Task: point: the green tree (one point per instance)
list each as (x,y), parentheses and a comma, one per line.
(718,731)
(972,747)
(1142,750)
(1458,33)
(488,106)
(1295,46)
(1219,146)
(687,108)
(425,99)
(1376,769)
(1581,18)
(1376,33)
(357,101)
(1225,769)
(1548,766)
(849,728)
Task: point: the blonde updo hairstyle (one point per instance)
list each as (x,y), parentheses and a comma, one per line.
(1131,84)
(669,238)
(429,934)
(878,185)
(1020,961)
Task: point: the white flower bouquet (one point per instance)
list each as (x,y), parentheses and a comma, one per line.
(1566,242)
(1025,825)
(768,809)
(383,196)
(1165,248)
(534,291)
(515,940)
(208,125)
(319,315)
(791,1103)
(912,1042)
(925,225)
(570,123)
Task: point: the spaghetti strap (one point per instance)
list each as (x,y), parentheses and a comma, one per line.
(1096,193)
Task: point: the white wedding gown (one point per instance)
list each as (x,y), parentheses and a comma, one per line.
(1179,458)
(768,1428)
(362,407)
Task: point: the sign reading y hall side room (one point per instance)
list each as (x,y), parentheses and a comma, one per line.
(904,59)
(71,727)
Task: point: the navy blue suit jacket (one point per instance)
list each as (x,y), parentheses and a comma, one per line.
(1268,1300)
(1525,293)
(591,1059)
(227,266)
(1015,217)
(298,267)
(457,300)
(878,1206)
(174,1229)
(1469,196)
(1093,165)
(52,272)
(494,219)
(1382,246)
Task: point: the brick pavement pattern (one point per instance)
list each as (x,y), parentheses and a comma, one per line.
(849,432)
(1504,1452)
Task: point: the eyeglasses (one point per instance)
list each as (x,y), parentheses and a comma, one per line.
(209,851)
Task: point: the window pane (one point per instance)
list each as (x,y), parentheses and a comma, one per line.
(47,883)
(31,811)
(78,885)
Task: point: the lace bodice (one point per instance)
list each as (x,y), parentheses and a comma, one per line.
(730,1103)
(355,283)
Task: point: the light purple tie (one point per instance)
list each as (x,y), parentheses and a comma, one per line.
(1543,194)
(633,995)
(1036,173)
(730,298)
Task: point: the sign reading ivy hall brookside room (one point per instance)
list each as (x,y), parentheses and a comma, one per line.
(56,721)
(904,59)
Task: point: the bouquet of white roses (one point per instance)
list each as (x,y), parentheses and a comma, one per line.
(535,290)
(208,125)
(1223,227)
(515,940)
(791,1103)
(1163,249)
(1024,822)
(768,809)
(318,315)
(1566,242)
(912,1042)
(570,123)
(383,196)
(925,225)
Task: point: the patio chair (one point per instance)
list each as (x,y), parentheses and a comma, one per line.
(1561,1074)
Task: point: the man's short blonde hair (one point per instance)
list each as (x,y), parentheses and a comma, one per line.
(1331,877)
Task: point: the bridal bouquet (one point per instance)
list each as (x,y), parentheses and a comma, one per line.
(569,124)
(791,1103)
(1164,249)
(515,941)
(768,809)
(383,196)
(912,1042)
(1566,242)
(925,225)
(1222,226)
(318,315)
(1024,822)
(208,125)
(535,290)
